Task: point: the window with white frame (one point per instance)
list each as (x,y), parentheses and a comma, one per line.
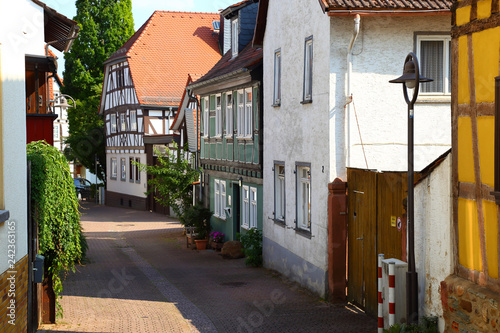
(218,115)
(245,207)
(56,132)
(219,198)
(308,62)
(277,77)
(113,122)
(206,116)
(303,197)
(123,124)
(131,169)
(113,167)
(234,37)
(433,52)
(279,192)
(241,114)
(248,112)
(229,114)
(253,207)
(133,120)
(137,170)
(123,168)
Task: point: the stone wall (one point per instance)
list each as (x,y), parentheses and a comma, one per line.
(468,307)
(19,288)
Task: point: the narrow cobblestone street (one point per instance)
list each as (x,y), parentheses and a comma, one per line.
(140,277)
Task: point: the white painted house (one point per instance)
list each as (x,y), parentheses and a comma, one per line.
(329,107)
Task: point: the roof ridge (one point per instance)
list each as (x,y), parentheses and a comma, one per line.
(184,12)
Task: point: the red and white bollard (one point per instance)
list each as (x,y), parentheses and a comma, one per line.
(380,301)
(392,294)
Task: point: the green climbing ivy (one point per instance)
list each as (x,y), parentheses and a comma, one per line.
(55,208)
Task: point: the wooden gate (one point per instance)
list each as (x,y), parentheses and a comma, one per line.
(375,202)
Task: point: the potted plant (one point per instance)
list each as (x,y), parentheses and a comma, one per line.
(199,217)
(216,240)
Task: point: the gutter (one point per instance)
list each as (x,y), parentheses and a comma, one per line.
(386,12)
(218,78)
(347,107)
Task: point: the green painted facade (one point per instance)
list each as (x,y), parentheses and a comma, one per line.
(232,158)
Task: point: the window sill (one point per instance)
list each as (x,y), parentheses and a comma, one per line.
(219,217)
(276,105)
(304,233)
(281,223)
(4,215)
(245,138)
(138,181)
(306,101)
(112,178)
(429,99)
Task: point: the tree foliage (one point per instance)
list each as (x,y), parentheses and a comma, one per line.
(105,25)
(172,178)
(55,208)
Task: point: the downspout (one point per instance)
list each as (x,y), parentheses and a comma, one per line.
(348,100)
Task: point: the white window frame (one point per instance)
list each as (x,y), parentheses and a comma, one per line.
(279,191)
(308,69)
(245,203)
(303,203)
(113,122)
(137,170)
(219,198)
(113,167)
(123,169)
(241,114)
(56,132)
(218,115)
(248,124)
(123,124)
(133,120)
(131,174)
(234,37)
(277,77)
(253,208)
(216,197)
(206,116)
(229,114)
(446,40)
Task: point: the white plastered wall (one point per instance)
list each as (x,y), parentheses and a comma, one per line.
(296,132)
(433,240)
(124,186)
(378,56)
(21,33)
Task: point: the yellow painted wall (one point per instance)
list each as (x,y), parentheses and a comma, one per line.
(491,235)
(483,9)
(463,71)
(465,158)
(486,54)
(486,139)
(463,15)
(469,250)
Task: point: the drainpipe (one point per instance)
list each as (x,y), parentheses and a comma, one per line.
(348,100)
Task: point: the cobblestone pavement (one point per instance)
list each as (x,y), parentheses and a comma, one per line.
(141,278)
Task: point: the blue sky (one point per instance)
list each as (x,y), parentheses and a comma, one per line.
(142,10)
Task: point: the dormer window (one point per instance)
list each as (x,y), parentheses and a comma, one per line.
(234,37)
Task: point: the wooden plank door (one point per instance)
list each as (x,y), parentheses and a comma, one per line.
(362,226)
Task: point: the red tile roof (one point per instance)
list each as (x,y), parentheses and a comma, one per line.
(387,4)
(165,49)
(246,59)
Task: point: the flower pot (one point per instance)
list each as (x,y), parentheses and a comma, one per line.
(201,244)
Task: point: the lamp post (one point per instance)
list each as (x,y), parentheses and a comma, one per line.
(411,79)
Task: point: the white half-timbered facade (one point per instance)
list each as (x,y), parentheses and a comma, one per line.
(141,94)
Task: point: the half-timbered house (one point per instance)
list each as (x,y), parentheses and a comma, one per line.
(143,85)
(231,128)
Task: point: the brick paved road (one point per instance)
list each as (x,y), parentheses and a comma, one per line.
(141,278)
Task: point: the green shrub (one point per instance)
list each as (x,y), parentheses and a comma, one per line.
(427,325)
(252,247)
(55,208)
(199,217)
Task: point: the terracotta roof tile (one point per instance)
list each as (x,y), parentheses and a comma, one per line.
(246,58)
(388,4)
(165,49)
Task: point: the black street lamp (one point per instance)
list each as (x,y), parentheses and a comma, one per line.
(411,79)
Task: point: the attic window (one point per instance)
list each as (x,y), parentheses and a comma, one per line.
(216,25)
(234,37)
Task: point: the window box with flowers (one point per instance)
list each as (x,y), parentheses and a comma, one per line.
(216,240)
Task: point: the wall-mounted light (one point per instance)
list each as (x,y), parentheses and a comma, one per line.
(240,181)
